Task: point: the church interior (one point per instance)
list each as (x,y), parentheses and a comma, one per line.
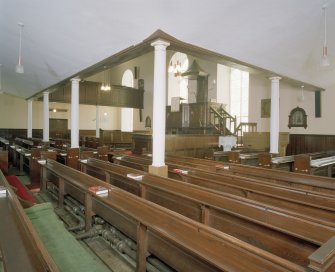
(167,136)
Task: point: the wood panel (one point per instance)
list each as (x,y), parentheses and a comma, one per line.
(309,143)
(90,94)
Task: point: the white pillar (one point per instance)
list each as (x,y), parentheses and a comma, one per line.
(75,112)
(274,120)
(159,104)
(30,119)
(97,122)
(45,116)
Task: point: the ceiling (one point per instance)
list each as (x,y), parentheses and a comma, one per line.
(61,38)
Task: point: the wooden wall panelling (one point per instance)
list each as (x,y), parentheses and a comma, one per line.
(301,143)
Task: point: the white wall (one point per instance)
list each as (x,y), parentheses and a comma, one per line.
(13,112)
(260,88)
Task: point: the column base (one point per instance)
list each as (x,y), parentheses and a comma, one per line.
(159,170)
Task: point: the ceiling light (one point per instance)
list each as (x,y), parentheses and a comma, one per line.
(19,67)
(106,78)
(324,59)
(54,110)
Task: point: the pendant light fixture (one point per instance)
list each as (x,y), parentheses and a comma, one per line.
(105,86)
(302,97)
(19,67)
(324,59)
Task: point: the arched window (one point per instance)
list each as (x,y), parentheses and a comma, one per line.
(177,85)
(127,113)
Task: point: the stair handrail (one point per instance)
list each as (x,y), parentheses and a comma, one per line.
(223,115)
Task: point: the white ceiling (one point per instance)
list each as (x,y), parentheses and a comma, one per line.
(61,38)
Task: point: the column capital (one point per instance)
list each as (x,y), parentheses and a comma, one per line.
(275,78)
(160,44)
(75,80)
(46,93)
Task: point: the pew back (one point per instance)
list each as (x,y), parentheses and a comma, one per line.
(164,231)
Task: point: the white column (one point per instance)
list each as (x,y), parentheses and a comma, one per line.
(274,120)
(45,116)
(30,119)
(159,104)
(75,112)
(97,122)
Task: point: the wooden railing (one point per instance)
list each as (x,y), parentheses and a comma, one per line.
(222,121)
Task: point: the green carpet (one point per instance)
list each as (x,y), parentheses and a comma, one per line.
(66,251)
(24,179)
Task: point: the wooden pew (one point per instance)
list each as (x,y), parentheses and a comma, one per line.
(70,156)
(311,203)
(180,242)
(142,162)
(4,161)
(4,143)
(103,152)
(288,179)
(35,168)
(25,143)
(318,163)
(21,247)
(20,157)
(243,158)
(307,164)
(154,188)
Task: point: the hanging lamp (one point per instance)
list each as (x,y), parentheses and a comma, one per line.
(325,59)
(19,67)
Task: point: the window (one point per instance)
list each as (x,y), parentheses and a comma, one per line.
(127,113)
(239,95)
(177,85)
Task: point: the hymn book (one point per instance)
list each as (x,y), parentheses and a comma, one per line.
(98,190)
(180,171)
(135,176)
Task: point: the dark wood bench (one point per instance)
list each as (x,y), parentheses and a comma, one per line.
(4,143)
(315,165)
(292,180)
(310,184)
(4,166)
(163,192)
(169,236)
(21,247)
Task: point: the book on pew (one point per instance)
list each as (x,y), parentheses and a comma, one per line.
(3,190)
(222,166)
(98,190)
(135,176)
(43,162)
(180,171)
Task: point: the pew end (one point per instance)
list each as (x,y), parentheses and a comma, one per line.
(323,259)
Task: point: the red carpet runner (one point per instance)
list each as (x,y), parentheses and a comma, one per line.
(22,191)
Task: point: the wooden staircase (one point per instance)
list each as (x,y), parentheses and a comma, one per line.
(226,124)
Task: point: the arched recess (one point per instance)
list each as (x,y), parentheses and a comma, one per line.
(127,113)
(177,85)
